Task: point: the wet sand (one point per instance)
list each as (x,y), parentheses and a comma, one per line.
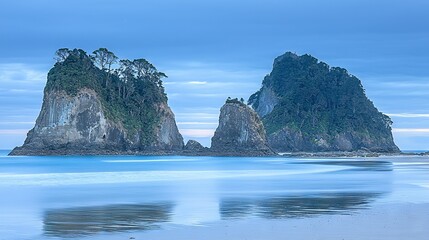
(389,222)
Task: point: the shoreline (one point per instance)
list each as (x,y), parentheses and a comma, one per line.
(208,153)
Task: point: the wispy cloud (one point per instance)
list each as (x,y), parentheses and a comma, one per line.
(197,115)
(409,133)
(18,72)
(199,95)
(409,115)
(197,82)
(198,133)
(411,130)
(197,123)
(203,109)
(13,123)
(16,90)
(14,131)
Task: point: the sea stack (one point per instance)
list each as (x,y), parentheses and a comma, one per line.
(240,132)
(307,106)
(89,109)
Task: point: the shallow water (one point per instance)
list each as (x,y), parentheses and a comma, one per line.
(88,196)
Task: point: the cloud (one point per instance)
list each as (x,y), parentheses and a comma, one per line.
(14,131)
(197,115)
(203,109)
(409,115)
(197,132)
(410,132)
(197,82)
(399,81)
(19,72)
(213,74)
(199,95)
(15,90)
(13,123)
(197,123)
(397,85)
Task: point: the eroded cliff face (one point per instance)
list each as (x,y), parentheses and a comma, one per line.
(78,125)
(168,136)
(264,101)
(70,123)
(240,132)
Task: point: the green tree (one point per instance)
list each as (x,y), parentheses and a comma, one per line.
(126,73)
(104,59)
(144,69)
(61,54)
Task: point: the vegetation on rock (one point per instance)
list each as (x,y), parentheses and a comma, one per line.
(318,100)
(130,94)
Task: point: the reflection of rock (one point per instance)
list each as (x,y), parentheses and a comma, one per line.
(80,221)
(296,206)
(364,165)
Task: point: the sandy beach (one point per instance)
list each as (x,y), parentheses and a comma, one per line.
(383,222)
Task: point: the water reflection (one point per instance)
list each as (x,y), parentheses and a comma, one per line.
(360,165)
(296,206)
(84,221)
(72,222)
(311,190)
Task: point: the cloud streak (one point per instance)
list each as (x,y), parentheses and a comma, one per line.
(409,115)
(198,133)
(197,82)
(197,123)
(17,123)
(14,131)
(403,134)
(19,72)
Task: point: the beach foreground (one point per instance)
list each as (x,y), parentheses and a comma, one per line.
(181,197)
(392,221)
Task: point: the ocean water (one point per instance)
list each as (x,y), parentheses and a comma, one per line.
(68,197)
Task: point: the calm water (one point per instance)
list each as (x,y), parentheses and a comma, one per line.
(69,197)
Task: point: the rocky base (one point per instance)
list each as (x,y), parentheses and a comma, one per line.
(291,140)
(20,151)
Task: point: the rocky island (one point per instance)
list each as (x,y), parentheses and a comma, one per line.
(89,108)
(240,131)
(308,106)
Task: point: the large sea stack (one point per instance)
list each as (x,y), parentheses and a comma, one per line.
(88,109)
(240,132)
(306,105)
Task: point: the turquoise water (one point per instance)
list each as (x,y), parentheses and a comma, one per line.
(84,196)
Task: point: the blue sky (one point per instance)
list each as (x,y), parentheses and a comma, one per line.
(214,49)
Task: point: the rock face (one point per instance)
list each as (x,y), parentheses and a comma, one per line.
(307,106)
(86,120)
(194,146)
(264,101)
(240,132)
